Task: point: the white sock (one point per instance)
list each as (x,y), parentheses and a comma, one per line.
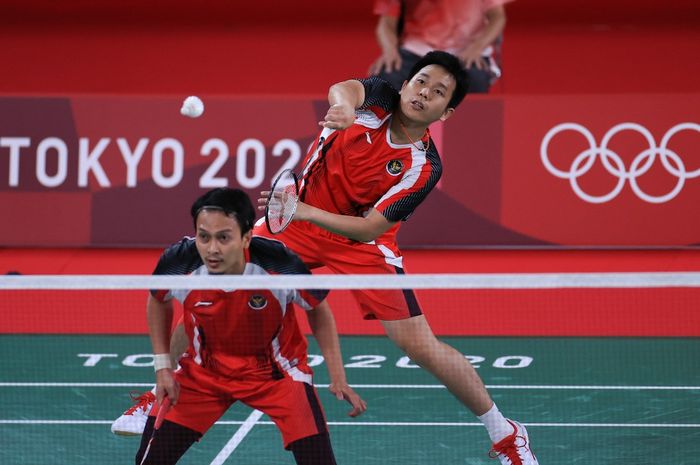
(496,424)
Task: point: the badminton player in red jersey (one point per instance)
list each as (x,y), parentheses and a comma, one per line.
(373,171)
(244,345)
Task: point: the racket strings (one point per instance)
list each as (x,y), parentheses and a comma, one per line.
(284,195)
(282,202)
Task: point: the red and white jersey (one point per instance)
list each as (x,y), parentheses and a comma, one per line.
(360,168)
(243,333)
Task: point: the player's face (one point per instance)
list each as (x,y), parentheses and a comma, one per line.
(425,97)
(219,242)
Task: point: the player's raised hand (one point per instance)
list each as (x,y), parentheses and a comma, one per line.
(339,116)
(301,210)
(343,391)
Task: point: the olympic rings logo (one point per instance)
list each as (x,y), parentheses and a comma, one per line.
(614,165)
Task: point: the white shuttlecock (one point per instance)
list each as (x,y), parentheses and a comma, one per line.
(192,107)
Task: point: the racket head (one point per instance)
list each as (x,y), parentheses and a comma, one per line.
(282,202)
(162,411)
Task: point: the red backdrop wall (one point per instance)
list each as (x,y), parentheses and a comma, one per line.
(267,46)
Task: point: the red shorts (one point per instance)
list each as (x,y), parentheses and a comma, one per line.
(204,397)
(318,247)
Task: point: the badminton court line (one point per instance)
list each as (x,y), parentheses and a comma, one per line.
(236,439)
(392,386)
(374,423)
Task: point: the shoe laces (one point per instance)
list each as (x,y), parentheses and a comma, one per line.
(140,401)
(509,448)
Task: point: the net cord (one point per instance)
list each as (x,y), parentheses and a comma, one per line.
(368,281)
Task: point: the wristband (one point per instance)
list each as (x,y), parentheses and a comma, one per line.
(161,361)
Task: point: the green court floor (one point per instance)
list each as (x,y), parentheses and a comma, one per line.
(591,401)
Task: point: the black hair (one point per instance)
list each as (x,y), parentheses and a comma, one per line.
(233,202)
(453,65)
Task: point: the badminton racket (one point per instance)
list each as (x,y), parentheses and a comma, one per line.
(283,197)
(162,411)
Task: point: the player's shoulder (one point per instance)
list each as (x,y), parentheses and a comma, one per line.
(377,83)
(274,257)
(379,94)
(185,247)
(179,258)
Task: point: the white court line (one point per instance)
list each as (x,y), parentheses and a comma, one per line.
(237,438)
(254,417)
(528,386)
(395,386)
(556,425)
(23,384)
(377,423)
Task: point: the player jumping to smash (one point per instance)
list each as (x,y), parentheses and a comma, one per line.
(244,345)
(373,171)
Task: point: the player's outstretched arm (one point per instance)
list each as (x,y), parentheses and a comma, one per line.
(359,228)
(322,325)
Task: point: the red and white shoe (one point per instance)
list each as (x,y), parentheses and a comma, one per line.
(514,449)
(133,421)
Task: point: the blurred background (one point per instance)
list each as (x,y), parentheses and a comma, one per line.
(269,47)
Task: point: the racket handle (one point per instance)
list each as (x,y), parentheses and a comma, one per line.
(162,411)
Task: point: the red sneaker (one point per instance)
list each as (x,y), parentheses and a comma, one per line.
(514,449)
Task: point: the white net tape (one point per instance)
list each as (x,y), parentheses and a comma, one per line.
(413,281)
